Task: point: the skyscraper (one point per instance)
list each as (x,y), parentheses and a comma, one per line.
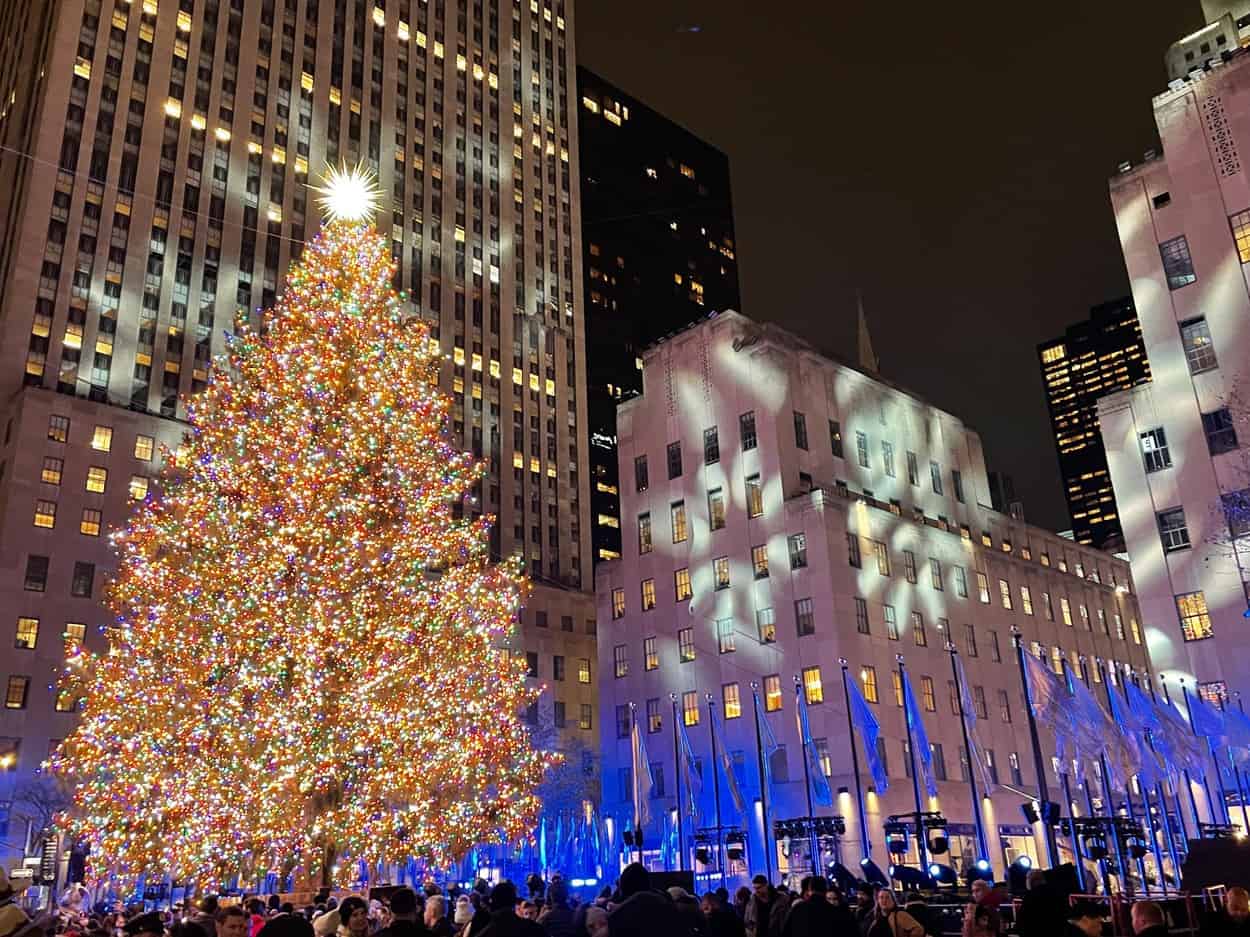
(153,190)
(1093,358)
(1176,447)
(658,253)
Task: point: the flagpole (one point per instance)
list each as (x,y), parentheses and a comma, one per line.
(1153,830)
(1241,791)
(865,841)
(1102,863)
(711,714)
(681,837)
(1219,780)
(807,781)
(1078,861)
(1240,773)
(1121,866)
(637,779)
(1161,794)
(982,844)
(1189,784)
(1048,831)
(759,754)
(915,774)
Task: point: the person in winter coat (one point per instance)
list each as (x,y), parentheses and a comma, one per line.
(889,920)
(766,911)
(504,921)
(693,922)
(557,916)
(642,911)
(813,916)
(436,916)
(721,921)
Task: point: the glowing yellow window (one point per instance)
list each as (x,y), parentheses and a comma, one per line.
(612,117)
(97,478)
(457,355)
(476,363)
(401,30)
(144,446)
(435,349)
(306,81)
(104,344)
(198,122)
(534,382)
(52,469)
(518,460)
(27,633)
(517,377)
(75,633)
(73,335)
(494,368)
(301,166)
(459,234)
(461,64)
(82,68)
(379,16)
(90,524)
(420,39)
(222,134)
(279,155)
(457,384)
(478,72)
(45,514)
(551,387)
(173,107)
(534,466)
(336,96)
(590,104)
(138,487)
(102,439)
(438,49)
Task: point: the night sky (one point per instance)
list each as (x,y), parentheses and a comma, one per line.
(949,159)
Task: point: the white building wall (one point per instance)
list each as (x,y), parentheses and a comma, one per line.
(1191,191)
(709,376)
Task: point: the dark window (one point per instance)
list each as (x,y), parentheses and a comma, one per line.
(957,482)
(674,460)
(835,438)
(1172,530)
(800,430)
(36,573)
(1178,266)
(84,579)
(1221,436)
(1236,506)
(640,473)
(1154,450)
(746,429)
(1161,199)
(711,446)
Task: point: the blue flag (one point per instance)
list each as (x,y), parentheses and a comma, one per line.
(769,743)
(976,760)
(727,766)
(920,737)
(1136,738)
(1205,718)
(864,720)
(688,771)
(821,794)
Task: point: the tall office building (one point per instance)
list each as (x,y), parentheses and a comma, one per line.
(153,191)
(1093,358)
(785,511)
(658,253)
(1176,446)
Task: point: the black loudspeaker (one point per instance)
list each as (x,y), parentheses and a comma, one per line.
(663,881)
(1216,862)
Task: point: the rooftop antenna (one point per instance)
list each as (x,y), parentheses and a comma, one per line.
(868,359)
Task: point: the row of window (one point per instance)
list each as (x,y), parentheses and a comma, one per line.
(557,667)
(36,578)
(101,438)
(17,695)
(749,439)
(53,470)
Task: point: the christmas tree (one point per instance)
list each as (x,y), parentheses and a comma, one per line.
(306,667)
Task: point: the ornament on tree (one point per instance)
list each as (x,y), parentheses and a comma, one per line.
(307,666)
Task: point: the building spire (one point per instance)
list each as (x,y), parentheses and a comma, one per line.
(868,359)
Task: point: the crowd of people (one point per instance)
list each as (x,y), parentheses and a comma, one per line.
(633,908)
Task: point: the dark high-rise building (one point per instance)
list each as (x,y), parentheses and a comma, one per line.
(1093,358)
(658,252)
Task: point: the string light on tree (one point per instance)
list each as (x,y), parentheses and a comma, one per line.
(306,667)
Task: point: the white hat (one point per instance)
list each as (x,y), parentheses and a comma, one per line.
(464,910)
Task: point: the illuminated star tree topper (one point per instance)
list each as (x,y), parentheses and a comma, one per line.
(307,666)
